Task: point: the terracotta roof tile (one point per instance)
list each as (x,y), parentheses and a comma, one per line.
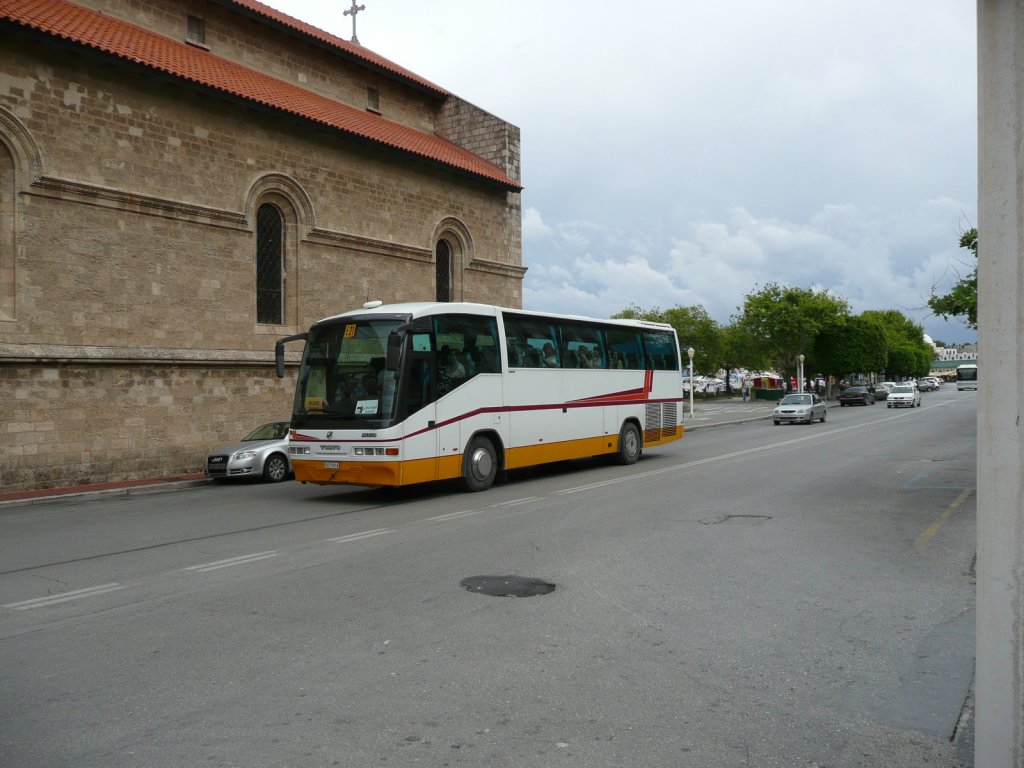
(132,43)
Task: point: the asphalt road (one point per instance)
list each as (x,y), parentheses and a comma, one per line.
(751,596)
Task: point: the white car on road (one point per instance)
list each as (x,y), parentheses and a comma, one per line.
(904,394)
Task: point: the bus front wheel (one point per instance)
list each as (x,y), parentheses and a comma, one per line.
(480,465)
(630,444)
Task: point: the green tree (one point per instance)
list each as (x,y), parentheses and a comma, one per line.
(783,321)
(851,345)
(738,350)
(902,333)
(904,361)
(962,300)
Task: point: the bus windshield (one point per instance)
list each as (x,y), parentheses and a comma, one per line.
(343,377)
(967,373)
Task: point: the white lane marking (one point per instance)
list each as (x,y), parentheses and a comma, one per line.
(363,535)
(455,515)
(734,454)
(241,560)
(516,502)
(587,487)
(63,597)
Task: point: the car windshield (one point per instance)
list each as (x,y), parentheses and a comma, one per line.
(273,431)
(904,390)
(855,390)
(796,400)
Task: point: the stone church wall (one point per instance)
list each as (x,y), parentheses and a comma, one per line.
(132,346)
(69,423)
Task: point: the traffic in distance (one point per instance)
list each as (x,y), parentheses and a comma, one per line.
(393,395)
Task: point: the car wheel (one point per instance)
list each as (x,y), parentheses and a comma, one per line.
(275,468)
(479,465)
(823,415)
(630,444)
(776,422)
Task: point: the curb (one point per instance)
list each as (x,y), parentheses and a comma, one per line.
(125,488)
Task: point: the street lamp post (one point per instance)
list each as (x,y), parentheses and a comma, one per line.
(690,353)
(800,386)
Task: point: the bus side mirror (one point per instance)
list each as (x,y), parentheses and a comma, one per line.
(279,351)
(279,358)
(394,353)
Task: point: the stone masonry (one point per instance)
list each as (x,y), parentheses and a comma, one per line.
(128,338)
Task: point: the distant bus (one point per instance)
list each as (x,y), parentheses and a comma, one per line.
(392,395)
(966,377)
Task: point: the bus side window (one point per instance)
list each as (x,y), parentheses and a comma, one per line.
(537,338)
(625,342)
(661,350)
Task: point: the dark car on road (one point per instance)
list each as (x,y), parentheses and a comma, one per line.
(856,396)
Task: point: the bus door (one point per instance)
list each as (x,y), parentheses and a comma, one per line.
(419,452)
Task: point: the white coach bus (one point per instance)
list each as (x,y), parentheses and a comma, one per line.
(398,394)
(966,377)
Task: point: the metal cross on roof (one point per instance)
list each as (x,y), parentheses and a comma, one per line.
(352,12)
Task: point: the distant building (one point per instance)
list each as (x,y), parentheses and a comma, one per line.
(948,358)
(961,352)
(184,181)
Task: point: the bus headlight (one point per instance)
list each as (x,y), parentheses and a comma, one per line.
(298,450)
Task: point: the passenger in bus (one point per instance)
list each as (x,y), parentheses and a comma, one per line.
(586,361)
(550,356)
(367,386)
(450,366)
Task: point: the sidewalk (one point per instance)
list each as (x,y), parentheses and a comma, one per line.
(706,413)
(116,488)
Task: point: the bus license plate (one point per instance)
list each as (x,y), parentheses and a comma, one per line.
(330,465)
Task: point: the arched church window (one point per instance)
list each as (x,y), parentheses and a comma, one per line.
(443,270)
(7,218)
(269,265)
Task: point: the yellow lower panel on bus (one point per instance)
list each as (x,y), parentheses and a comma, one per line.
(662,435)
(349,472)
(543,453)
(378,473)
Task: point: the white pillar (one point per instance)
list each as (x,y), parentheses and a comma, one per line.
(999,704)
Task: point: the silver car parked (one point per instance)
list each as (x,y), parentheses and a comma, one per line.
(804,407)
(261,453)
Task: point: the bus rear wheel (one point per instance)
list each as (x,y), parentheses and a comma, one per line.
(479,465)
(630,444)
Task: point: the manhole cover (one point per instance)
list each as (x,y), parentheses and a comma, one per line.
(507,586)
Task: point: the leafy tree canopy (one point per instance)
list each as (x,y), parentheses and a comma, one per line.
(784,321)
(851,345)
(962,300)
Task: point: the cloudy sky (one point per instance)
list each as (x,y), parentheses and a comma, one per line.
(682,153)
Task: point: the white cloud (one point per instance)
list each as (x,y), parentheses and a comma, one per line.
(857,256)
(534,227)
(684,153)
